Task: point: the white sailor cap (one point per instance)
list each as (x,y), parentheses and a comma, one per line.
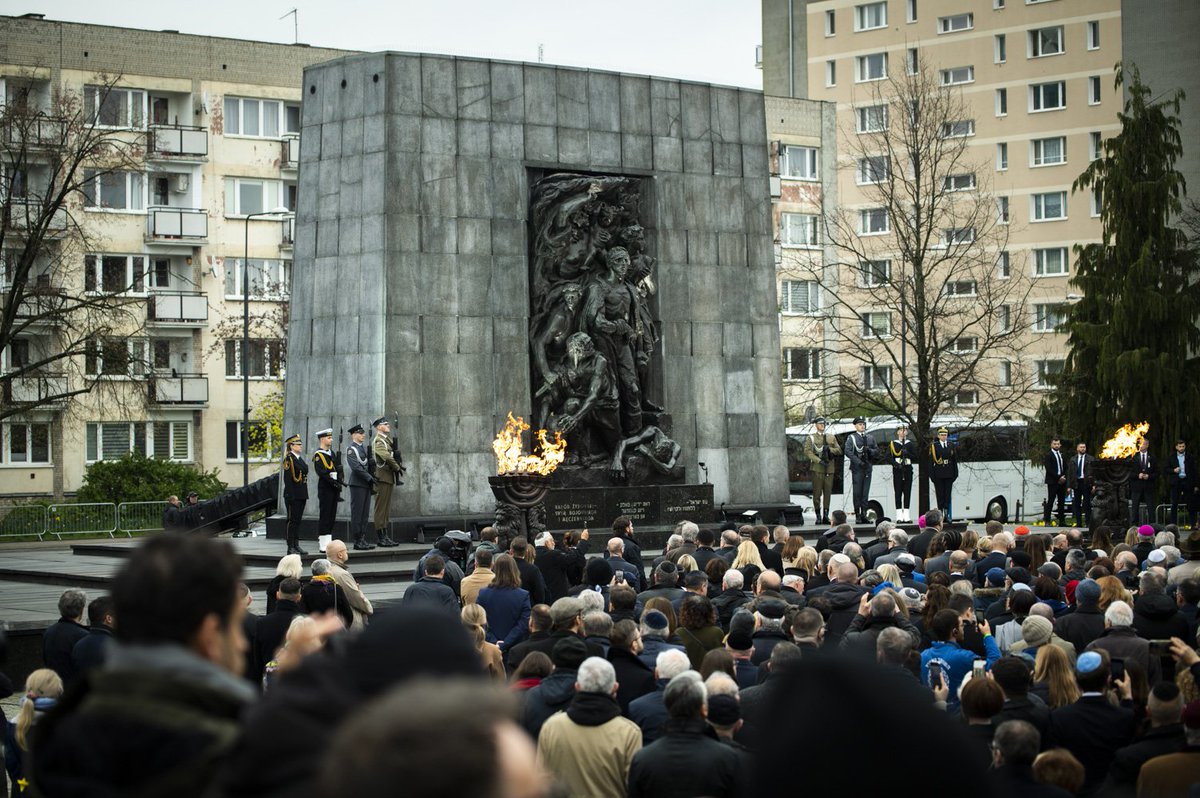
(323,433)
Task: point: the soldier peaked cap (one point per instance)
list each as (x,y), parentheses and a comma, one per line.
(378,421)
(293,439)
(943,431)
(328,432)
(860,420)
(356,428)
(820,420)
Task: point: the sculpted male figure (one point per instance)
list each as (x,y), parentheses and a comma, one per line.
(611,317)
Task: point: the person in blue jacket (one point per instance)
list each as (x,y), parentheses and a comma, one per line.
(954,660)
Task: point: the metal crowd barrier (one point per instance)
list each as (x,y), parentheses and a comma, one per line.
(140,516)
(81,519)
(23,520)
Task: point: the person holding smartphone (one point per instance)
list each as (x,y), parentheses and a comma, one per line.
(948,658)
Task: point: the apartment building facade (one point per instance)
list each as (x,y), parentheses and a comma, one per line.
(1037,78)
(216,123)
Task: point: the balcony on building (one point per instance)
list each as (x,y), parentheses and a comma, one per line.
(30,117)
(175,215)
(43,303)
(291,152)
(176,143)
(172,375)
(46,388)
(172,298)
(179,389)
(289,234)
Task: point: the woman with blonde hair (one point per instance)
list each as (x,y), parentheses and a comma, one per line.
(687,563)
(1054,678)
(289,567)
(1111,589)
(747,554)
(43,688)
(805,564)
(474,618)
(891,573)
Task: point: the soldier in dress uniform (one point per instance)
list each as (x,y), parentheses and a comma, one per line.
(943,469)
(295,491)
(361,479)
(902,452)
(861,451)
(329,488)
(821,449)
(388,471)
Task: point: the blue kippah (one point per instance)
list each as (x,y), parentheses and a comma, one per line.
(1088,661)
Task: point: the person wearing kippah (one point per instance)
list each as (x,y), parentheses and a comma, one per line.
(1092,728)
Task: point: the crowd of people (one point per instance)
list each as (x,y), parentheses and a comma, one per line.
(740,660)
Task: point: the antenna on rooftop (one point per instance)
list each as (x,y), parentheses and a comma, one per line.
(295,15)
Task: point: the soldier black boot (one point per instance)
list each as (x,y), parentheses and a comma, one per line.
(360,542)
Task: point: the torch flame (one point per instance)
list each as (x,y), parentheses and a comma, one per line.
(508,447)
(1124,442)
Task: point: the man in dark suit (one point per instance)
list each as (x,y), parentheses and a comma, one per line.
(1141,487)
(760,535)
(1014,747)
(1093,729)
(1181,470)
(1082,482)
(271,628)
(1056,482)
(556,564)
(943,470)
(622,527)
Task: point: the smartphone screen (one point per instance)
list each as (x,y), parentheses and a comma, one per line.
(1118,670)
(935,675)
(978,668)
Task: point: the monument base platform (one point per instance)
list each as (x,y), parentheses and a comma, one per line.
(647,505)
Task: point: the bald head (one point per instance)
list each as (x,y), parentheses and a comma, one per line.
(847,572)
(768,580)
(616,547)
(336,551)
(1043,610)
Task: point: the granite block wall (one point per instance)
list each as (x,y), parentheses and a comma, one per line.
(410,283)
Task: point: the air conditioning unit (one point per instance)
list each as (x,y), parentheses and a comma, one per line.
(181,183)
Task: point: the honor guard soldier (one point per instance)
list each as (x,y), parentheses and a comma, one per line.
(361,464)
(295,491)
(821,449)
(329,489)
(902,452)
(943,470)
(387,473)
(861,451)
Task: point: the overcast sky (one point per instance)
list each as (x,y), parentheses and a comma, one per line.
(707,40)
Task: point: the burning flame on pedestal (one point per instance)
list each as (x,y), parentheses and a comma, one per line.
(508,447)
(1124,442)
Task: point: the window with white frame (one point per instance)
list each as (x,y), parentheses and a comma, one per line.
(263,446)
(25,444)
(1004,318)
(873,221)
(247,195)
(997,4)
(115,106)
(164,440)
(1048,96)
(16,354)
(911,11)
(269,279)
(1002,211)
(1006,373)
(876,324)
(874,169)
(1004,264)
(961,288)
(801,364)
(1047,371)
(1049,316)
(870,67)
(953,236)
(913,61)
(1095,142)
(964,345)
(958,75)
(798,230)
(1000,48)
(831,73)
(1001,156)
(1001,102)
(1048,152)
(872,119)
(114,274)
(265,358)
(876,378)
(799,163)
(800,297)
(117,191)
(1050,262)
(115,357)
(965,398)
(1094,90)
(874,273)
(1050,206)
(960,128)
(870,16)
(256,118)
(956,23)
(1093,35)
(963,182)
(1094,204)
(1046,41)
(830,23)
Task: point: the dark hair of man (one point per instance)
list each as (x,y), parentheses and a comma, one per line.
(981,699)
(483,558)
(1047,589)
(98,609)
(684,697)
(715,569)
(488,533)
(507,572)
(621,524)
(807,622)
(1074,538)
(290,587)
(705,537)
(1055,438)
(539,617)
(696,612)
(622,597)
(1013,675)
(1179,441)
(146,591)
(960,603)
(759,533)
(623,633)
(518,547)
(1190,590)
(943,625)
(694,580)
(1018,742)
(784,655)
(1021,602)
(1097,680)
(403,738)
(838,517)
(822,605)
(434,565)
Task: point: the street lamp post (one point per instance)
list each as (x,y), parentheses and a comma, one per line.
(245,358)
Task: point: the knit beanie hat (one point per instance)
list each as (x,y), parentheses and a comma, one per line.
(1036,631)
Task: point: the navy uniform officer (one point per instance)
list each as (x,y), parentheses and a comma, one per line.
(360,462)
(295,491)
(943,470)
(862,451)
(901,453)
(329,488)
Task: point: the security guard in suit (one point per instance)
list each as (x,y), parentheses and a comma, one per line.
(358,460)
(821,449)
(901,453)
(295,491)
(329,488)
(1141,487)
(943,470)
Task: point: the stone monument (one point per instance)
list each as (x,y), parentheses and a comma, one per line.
(589,249)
